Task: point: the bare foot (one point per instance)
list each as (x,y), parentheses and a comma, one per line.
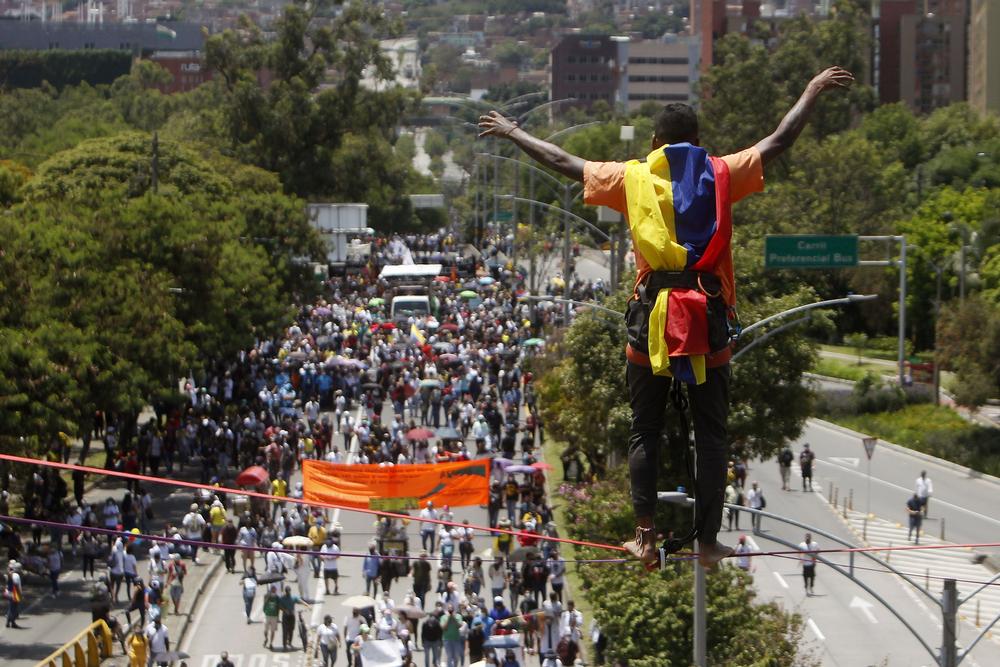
(643,546)
(709,555)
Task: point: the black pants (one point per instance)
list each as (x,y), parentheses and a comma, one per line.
(287,629)
(648,395)
(229,557)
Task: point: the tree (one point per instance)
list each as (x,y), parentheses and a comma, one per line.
(306,129)
(976,358)
(859,341)
(742,631)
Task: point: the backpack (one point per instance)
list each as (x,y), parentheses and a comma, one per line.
(786,457)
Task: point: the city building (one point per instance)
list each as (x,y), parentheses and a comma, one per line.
(404,54)
(586,68)
(177,47)
(621,71)
(920,54)
(659,70)
(984,56)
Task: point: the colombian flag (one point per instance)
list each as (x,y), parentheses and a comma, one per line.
(415,335)
(679,223)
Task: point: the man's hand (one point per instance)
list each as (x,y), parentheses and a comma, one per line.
(791,125)
(830,78)
(496,124)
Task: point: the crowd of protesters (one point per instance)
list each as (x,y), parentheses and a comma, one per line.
(318,392)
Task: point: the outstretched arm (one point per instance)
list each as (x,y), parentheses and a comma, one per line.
(552,156)
(791,125)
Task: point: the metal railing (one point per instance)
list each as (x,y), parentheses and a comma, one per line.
(87,649)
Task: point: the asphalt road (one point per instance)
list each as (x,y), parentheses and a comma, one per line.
(219,622)
(844,624)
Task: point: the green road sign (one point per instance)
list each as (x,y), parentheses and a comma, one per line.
(801,251)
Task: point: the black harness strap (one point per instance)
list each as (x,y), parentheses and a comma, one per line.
(680,402)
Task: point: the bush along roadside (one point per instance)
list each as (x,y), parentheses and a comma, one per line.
(647,618)
(908,418)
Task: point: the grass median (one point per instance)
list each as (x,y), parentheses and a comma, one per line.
(551,451)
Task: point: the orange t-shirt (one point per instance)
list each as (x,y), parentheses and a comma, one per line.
(604,185)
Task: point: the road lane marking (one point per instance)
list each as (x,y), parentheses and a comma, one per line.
(865,606)
(845,460)
(908,491)
(202,606)
(815,628)
(781,579)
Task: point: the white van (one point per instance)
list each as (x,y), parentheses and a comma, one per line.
(405,306)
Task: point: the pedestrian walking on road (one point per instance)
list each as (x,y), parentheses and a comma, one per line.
(755,501)
(176,571)
(138,647)
(224,660)
(328,639)
(924,489)
(329,554)
(55,564)
(734,496)
(806,457)
(914,508)
(13,593)
(248,582)
(286,603)
(428,530)
(785,459)
(228,538)
(421,577)
(271,611)
(742,552)
(370,570)
(159,640)
(809,547)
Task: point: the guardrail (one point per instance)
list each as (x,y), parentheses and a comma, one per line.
(87,649)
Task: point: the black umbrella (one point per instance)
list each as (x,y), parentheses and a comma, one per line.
(448,433)
(269,578)
(371,386)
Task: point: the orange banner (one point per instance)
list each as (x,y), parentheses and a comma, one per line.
(395,488)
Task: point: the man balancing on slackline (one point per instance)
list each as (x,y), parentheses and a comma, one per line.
(677,201)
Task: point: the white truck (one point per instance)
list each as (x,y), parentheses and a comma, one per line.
(344,229)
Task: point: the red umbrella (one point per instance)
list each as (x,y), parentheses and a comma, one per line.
(448,326)
(252,476)
(388,326)
(409,390)
(419,434)
(448,359)
(541,465)
(442,279)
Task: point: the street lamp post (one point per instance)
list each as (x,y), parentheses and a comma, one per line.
(700,625)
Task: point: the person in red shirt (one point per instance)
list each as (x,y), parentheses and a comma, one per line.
(698,226)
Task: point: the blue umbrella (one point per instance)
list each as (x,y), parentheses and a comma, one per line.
(486,280)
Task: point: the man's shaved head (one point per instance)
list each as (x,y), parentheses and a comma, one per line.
(676,123)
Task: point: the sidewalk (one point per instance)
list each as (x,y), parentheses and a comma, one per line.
(48,622)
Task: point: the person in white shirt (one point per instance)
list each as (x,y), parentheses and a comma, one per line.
(428,529)
(924,490)
(249,585)
(386,626)
(497,574)
(742,552)
(328,638)
(193,524)
(755,501)
(329,553)
(571,623)
(158,637)
(809,547)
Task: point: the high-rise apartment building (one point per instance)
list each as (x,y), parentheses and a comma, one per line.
(623,72)
(920,57)
(984,55)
